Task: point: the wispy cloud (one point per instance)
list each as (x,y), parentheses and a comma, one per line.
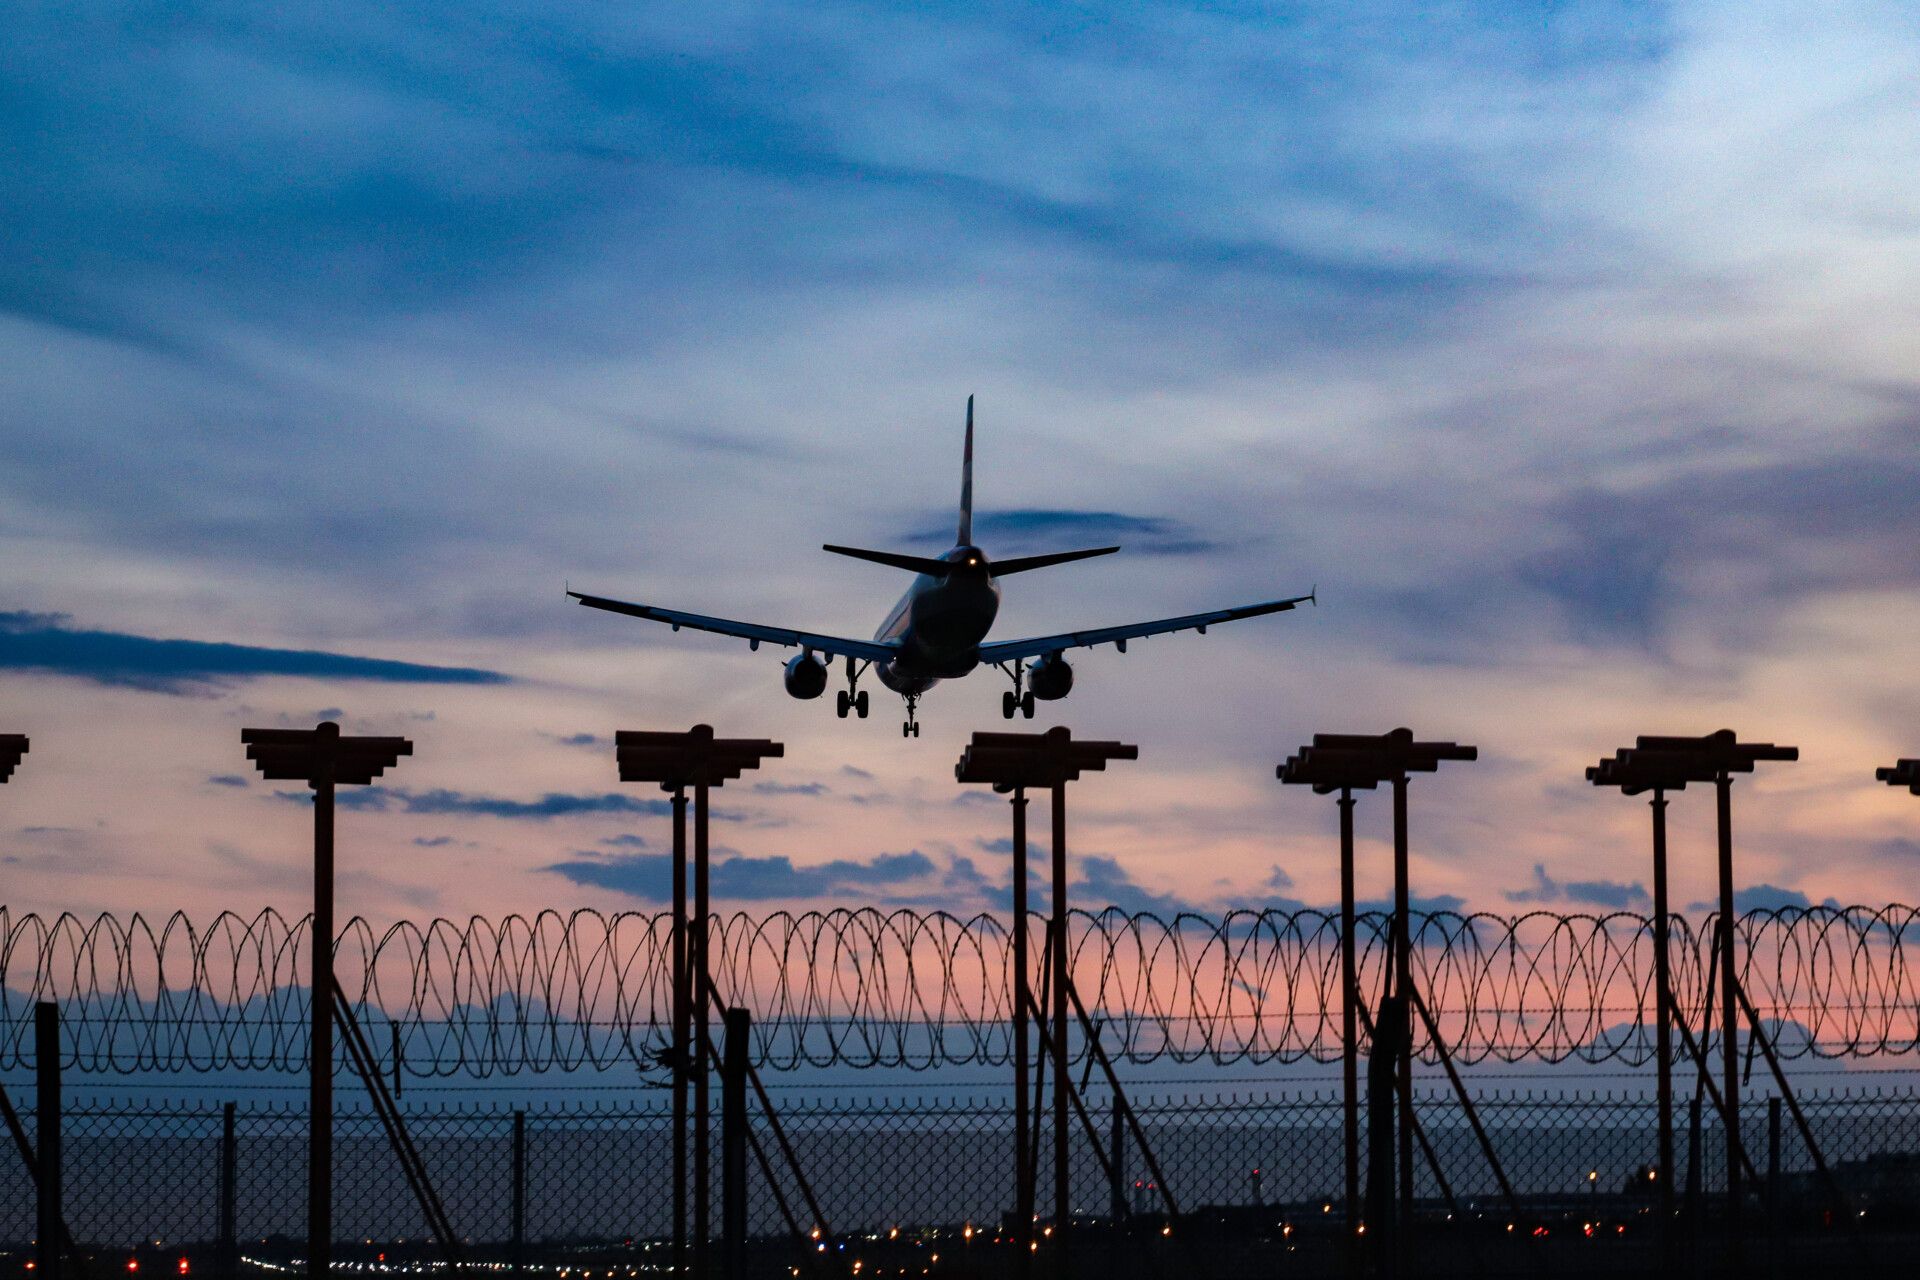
(552,804)
(649,876)
(1608,894)
(1040,529)
(42,642)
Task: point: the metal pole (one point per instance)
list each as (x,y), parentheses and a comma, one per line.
(1022,997)
(733,1145)
(518,1226)
(1663,1015)
(320,1035)
(1729,1013)
(1349,997)
(229,1193)
(46,1060)
(393,1034)
(1062,1202)
(702,986)
(1116,1177)
(1403,987)
(682,1047)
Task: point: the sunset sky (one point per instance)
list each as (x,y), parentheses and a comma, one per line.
(1572,351)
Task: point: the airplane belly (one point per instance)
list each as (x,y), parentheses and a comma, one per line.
(946,627)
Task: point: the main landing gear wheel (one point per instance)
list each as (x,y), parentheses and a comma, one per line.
(1018,700)
(860,704)
(1007,703)
(1026,705)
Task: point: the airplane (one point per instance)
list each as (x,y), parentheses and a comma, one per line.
(938,630)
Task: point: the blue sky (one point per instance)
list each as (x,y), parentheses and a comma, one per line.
(1569,349)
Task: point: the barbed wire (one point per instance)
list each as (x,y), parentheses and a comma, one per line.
(923,990)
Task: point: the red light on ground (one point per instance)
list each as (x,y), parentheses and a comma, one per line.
(183,1266)
(133,1264)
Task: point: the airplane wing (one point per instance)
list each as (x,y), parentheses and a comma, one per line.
(1008,650)
(752,632)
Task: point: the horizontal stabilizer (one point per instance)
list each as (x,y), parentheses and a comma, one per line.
(912,564)
(1001,568)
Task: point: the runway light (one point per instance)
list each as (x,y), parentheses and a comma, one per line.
(183,1266)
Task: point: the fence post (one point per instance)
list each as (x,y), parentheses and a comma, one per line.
(1773,1159)
(518,1249)
(229,1194)
(733,1145)
(46,1059)
(1118,1191)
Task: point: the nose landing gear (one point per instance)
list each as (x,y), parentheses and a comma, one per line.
(911,729)
(852,698)
(1020,699)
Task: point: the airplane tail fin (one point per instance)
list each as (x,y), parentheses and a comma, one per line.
(965,536)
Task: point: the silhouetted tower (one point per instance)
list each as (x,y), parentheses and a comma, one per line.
(677,761)
(1010,763)
(1344,763)
(1659,764)
(322,758)
(13,748)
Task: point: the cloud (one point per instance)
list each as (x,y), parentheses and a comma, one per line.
(552,804)
(433,842)
(1277,879)
(625,840)
(790,788)
(1104,882)
(1764,897)
(1610,894)
(228,780)
(1040,529)
(649,876)
(42,642)
(580,740)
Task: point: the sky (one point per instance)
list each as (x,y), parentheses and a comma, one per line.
(1569,350)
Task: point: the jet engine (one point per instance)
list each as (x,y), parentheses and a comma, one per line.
(806,676)
(1050,678)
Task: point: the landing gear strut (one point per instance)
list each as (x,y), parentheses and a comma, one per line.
(1021,699)
(911,729)
(852,698)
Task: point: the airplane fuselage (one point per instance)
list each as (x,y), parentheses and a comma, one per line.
(939,623)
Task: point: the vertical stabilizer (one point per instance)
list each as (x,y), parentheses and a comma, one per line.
(965,538)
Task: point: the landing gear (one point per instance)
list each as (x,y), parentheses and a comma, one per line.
(853,698)
(911,729)
(1020,699)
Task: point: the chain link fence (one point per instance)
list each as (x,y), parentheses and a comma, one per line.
(599,1176)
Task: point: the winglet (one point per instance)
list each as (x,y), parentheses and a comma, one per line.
(1313,595)
(965,536)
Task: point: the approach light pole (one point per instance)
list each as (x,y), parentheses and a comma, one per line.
(1011,763)
(1659,764)
(1903,773)
(676,761)
(1659,776)
(1344,763)
(323,758)
(13,747)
